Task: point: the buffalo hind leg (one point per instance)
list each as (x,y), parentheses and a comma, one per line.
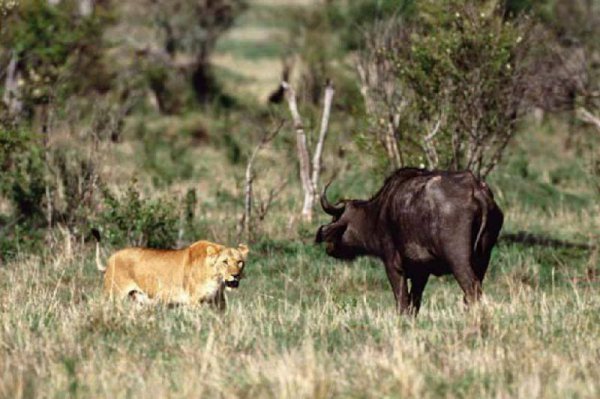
(416,292)
(468,281)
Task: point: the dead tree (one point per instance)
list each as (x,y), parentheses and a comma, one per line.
(586,116)
(383,97)
(246,224)
(277,96)
(309,172)
(12,91)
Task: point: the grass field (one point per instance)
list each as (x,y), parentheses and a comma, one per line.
(303,325)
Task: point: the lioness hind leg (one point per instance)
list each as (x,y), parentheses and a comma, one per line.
(139,297)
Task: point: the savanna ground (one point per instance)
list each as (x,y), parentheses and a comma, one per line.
(301,324)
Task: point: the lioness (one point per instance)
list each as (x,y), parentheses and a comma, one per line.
(198,273)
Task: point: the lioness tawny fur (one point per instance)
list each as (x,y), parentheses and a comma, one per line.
(198,273)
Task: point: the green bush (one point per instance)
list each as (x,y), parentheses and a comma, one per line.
(449,82)
(22,180)
(167,158)
(131,220)
(352,18)
(192,27)
(53,45)
(20,237)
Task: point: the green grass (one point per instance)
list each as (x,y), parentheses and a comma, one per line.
(251,50)
(302,325)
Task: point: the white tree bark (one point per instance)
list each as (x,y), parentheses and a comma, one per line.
(430,150)
(587,117)
(316,162)
(309,172)
(12,91)
(369,78)
(246,223)
(302,150)
(86,7)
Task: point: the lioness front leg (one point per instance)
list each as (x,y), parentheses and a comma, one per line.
(219,302)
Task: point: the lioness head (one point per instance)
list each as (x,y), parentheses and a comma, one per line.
(229,263)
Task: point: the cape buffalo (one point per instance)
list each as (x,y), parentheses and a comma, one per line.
(419,223)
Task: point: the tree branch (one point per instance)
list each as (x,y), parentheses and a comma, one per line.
(316,163)
(587,117)
(301,147)
(246,222)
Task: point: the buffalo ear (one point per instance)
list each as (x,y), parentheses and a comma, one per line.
(243,248)
(336,230)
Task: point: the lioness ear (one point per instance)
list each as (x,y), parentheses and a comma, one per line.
(243,248)
(211,250)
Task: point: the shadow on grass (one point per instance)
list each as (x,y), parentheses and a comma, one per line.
(531,239)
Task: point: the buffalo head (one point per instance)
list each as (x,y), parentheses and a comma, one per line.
(345,236)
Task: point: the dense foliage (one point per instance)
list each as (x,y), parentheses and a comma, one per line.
(439,84)
(52,45)
(114,134)
(455,76)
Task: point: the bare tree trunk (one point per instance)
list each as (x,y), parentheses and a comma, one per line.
(86,7)
(302,150)
(392,144)
(430,150)
(587,117)
(246,224)
(316,163)
(388,137)
(12,92)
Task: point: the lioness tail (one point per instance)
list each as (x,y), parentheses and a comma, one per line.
(99,264)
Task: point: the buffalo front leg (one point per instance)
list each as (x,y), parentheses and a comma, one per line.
(416,292)
(399,285)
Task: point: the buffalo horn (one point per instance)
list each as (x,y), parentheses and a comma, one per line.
(327,207)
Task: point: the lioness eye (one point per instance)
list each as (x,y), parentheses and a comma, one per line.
(240,264)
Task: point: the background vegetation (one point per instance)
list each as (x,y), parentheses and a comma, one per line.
(114,115)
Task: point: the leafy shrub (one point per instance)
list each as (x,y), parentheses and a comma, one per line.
(352,18)
(19,238)
(166,156)
(131,220)
(444,89)
(74,185)
(43,182)
(53,44)
(22,180)
(22,183)
(193,27)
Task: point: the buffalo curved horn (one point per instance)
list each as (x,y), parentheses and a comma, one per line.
(327,207)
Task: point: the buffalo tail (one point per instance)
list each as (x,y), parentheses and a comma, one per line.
(481,198)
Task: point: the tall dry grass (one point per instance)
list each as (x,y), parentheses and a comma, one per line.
(301,326)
